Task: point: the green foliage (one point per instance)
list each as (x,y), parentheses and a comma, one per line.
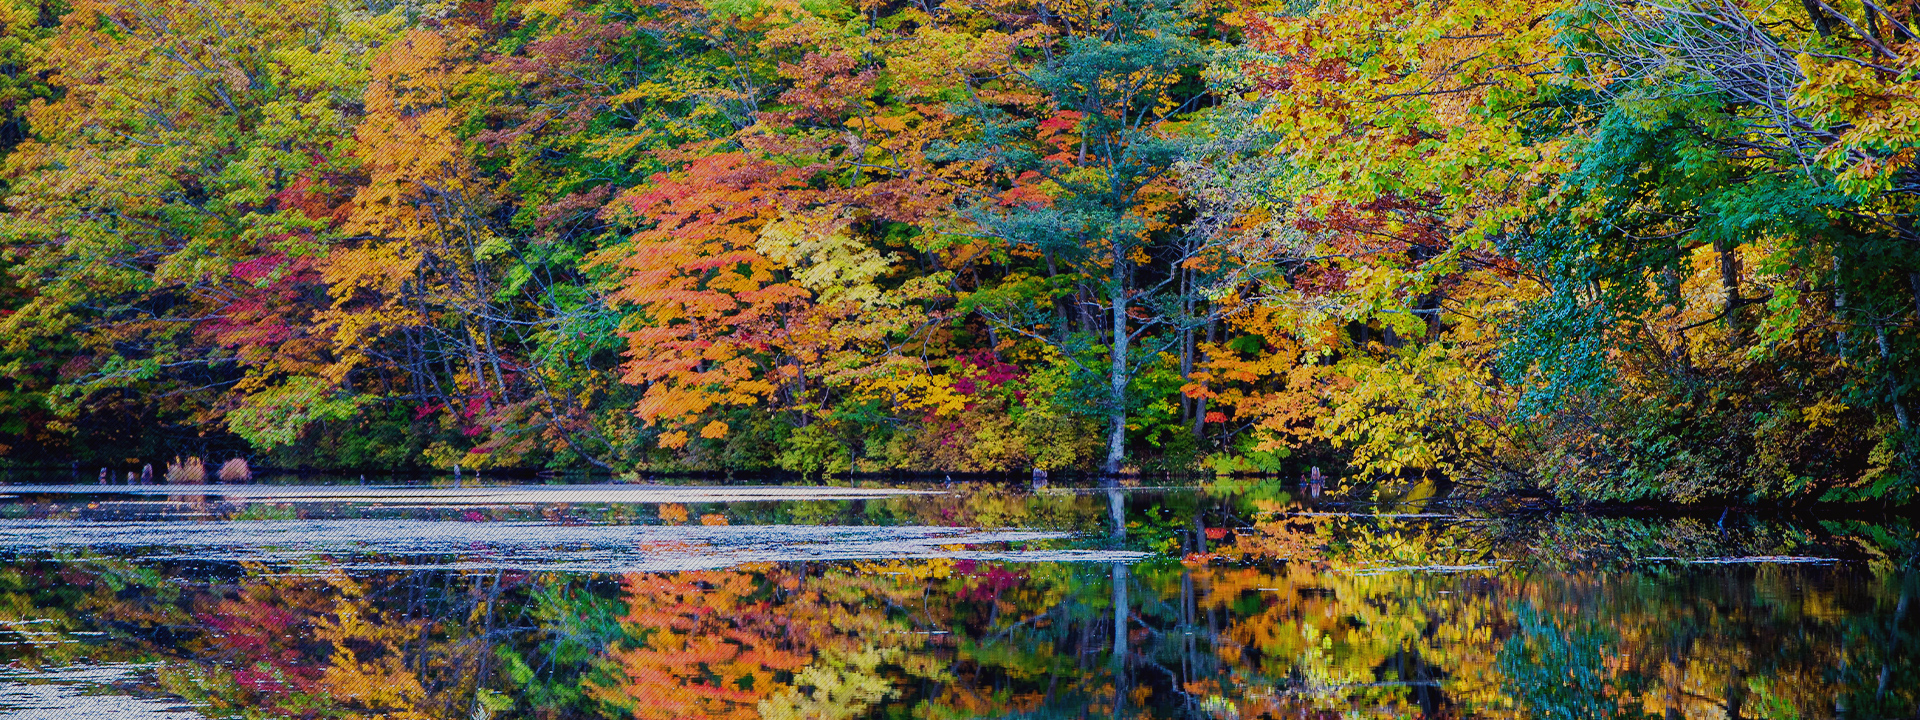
(813,450)
(278,417)
(577,621)
(1563,672)
(1637,392)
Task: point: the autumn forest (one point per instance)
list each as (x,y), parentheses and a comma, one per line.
(1586,249)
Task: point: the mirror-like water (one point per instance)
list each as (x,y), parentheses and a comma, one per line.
(933,602)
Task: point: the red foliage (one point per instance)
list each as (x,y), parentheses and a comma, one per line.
(262,639)
(985,583)
(986,371)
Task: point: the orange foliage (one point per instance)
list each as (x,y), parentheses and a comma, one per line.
(713,303)
(705,648)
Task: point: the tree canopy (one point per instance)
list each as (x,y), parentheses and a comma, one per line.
(1603,250)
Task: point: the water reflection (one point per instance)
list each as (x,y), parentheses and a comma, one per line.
(425,544)
(1211,606)
(76,692)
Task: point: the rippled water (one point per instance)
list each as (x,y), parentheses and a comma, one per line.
(83,691)
(441,545)
(934,602)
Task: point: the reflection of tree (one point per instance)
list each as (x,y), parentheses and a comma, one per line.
(574,619)
(982,505)
(1569,672)
(1307,615)
(703,644)
(261,653)
(1425,618)
(379,657)
(44,603)
(392,645)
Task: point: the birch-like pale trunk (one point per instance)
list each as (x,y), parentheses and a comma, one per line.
(1117,376)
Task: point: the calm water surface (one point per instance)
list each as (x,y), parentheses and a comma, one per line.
(933,602)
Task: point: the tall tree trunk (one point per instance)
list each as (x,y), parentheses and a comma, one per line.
(1839,310)
(1730,284)
(1893,381)
(1187,349)
(1063,320)
(1913,279)
(1117,413)
(1821,21)
(1200,405)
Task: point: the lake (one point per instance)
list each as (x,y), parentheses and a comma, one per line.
(947,600)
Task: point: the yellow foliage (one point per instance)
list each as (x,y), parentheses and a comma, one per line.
(673,513)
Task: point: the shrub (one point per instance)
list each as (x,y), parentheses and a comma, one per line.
(235,470)
(191,472)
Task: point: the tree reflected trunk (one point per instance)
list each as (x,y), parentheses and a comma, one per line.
(1121,615)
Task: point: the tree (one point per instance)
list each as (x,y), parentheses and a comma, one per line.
(159,215)
(1786,117)
(1090,187)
